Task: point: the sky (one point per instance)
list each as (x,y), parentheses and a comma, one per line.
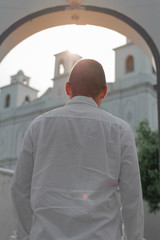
(35,55)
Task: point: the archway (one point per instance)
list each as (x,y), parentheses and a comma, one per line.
(52,17)
(82,15)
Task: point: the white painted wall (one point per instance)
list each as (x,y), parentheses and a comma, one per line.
(133,99)
(22,92)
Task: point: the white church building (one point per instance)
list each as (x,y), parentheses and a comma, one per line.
(131,97)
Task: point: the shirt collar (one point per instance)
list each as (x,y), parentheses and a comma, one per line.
(82,99)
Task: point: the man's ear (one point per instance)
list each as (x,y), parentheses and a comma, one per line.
(103,92)
(68,88)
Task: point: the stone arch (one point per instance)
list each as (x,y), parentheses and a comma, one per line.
(92,15)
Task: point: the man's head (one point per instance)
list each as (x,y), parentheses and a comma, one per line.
(87,78)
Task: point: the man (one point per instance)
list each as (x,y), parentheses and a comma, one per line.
(71,163)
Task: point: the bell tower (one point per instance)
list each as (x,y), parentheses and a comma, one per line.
(131,62)
(63,64)
(17,93)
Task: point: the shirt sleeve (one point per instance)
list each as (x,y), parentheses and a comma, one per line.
(21,188)
(130,189)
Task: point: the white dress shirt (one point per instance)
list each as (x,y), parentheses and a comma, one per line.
(70,165)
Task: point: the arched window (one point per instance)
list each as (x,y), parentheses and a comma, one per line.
(129,64)
(25,82)
(7,101)
(27,99)
(61,67)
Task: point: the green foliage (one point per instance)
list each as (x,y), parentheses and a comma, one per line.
(147,145)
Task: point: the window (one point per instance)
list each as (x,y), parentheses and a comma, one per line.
(25,82)
(7,101)
(27,99)
(129,64)
(61,67)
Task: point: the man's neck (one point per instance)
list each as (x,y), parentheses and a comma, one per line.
(96,99)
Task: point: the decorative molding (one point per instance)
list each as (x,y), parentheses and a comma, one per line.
(5,171)
(75,4)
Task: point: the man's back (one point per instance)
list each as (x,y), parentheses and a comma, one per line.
(75,179)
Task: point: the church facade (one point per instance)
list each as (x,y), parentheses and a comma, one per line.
(131,97)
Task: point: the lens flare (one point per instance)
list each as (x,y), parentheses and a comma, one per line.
(84,195)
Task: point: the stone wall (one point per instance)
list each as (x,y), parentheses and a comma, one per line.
(152,225)
(5,204)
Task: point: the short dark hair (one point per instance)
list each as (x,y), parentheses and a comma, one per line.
(87,78)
